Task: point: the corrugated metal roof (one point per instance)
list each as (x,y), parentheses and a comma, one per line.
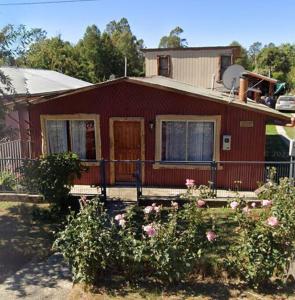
(190,48)
(165,82)
(27,81)
(184,88)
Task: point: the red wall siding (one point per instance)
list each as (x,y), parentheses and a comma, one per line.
(130,100)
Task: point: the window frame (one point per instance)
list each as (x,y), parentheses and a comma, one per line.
(73,117)
(168,57)
(220,63)
(216,119)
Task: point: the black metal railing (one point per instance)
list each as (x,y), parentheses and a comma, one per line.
(157,178)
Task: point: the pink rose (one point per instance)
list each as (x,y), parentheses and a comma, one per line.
(174,205)
(272,221)
(246,210)
(157,209)
(266,203)
(122,222)
(154,205)
(189,183)
(147,210)
(119,217)
(211,236)
(234,204)
(149,230)
(253,205)
(201,203)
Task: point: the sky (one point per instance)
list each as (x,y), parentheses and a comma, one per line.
(205,22)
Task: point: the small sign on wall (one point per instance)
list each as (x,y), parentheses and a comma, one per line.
(246,124)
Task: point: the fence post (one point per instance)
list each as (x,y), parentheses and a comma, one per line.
(138,180)
(214,176)
(291,170)
(103,186)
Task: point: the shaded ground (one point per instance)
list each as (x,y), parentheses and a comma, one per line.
(47,279)
(21,238)
(201,289)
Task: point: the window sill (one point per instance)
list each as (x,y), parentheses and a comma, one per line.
(184,166)
(90,163)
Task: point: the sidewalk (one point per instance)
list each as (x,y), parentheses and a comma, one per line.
(49,279)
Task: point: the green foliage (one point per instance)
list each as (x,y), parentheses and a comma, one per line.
(88,243)
(243,59)
(266,242)
(158,244)
(173,40)
(52,176)
(94,58)
(8,181)
(52,54)
(274,61)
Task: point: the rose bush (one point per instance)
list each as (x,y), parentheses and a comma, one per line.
(151,242)
(265,242)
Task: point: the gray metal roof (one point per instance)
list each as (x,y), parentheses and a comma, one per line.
(190,48)
(214,95)
(169,84)
(27,81)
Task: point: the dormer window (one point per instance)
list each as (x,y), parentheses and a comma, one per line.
(164,65)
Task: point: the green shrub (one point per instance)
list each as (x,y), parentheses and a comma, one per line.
(88,243)
(265,241)
(8,181)
(52,176)
(153,243)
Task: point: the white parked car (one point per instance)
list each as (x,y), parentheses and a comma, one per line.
(286,103)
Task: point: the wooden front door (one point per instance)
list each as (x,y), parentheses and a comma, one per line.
(127,146)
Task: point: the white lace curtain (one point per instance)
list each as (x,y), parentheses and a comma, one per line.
(57,136)
(78,138)
(188,141)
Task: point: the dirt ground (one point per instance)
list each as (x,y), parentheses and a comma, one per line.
(202,289)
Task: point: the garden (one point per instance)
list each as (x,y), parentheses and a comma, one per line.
(182,250)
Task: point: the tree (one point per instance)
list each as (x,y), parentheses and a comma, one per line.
(253,52)
(243,59)
(98,57)
(127,45)
(52,54)
(173,40)
(15,42)
(273,61)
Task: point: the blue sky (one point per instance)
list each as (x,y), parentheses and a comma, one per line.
(205,23)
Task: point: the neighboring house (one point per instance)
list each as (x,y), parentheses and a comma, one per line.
(204,67)
(199,66)
(29,84)
(156,119)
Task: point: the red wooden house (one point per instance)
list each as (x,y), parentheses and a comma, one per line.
(155,119)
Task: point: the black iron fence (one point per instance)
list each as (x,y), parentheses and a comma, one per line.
(158,179)
(134,179)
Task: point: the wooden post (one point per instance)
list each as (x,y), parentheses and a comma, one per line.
(243,89)
(257,96)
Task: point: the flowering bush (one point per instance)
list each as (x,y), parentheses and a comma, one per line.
(163,244)
(87,242)
(265,240)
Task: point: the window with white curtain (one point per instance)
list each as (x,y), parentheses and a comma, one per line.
(187,141)
(76,136)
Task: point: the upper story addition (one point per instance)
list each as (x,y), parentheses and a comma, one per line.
(198,66)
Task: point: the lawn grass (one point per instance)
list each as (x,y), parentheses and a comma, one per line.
(271,130)
(23,239)
(290,131)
